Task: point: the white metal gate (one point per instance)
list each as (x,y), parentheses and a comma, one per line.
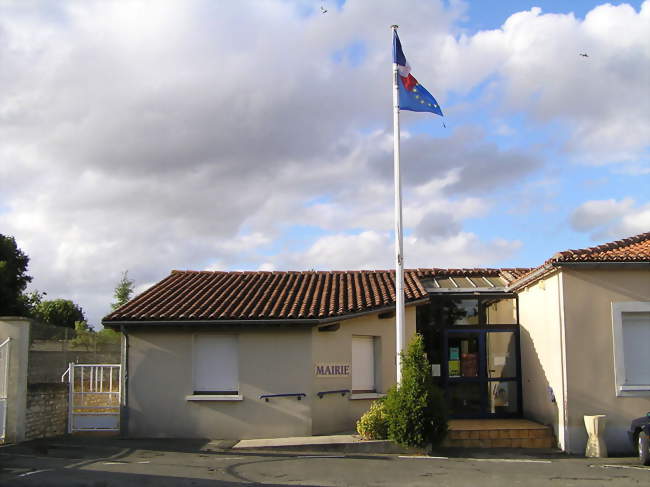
(94,399)
(4,379)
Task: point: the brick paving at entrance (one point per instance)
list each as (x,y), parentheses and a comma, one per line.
(498,433)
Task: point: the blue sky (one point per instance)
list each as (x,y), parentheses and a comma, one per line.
(579,183)
(573,182)
(491,15)
(254,135)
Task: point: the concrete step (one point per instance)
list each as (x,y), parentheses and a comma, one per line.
(495,433)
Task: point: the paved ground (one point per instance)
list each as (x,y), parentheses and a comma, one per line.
(113,462)
(343,442)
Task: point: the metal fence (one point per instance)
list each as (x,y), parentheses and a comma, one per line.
(94,397)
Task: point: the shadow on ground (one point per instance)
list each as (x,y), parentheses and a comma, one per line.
(87,462)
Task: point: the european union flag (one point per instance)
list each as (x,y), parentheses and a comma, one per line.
(412,95)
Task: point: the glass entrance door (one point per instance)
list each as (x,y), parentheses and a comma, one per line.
(464,371)
(502,368)
(481,372)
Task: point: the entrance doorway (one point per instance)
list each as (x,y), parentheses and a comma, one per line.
(481,372)
(472,342)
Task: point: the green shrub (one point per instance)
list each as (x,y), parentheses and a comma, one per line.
(416,410)
(372,425)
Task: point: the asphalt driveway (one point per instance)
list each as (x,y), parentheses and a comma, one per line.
(115,462)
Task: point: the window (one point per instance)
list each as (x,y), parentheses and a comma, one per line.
(363,364)
(631,332)
(500,311)
(446,311)
(215,365)
(464,312)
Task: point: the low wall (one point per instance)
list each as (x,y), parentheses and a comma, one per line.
(47,410)
(16,328)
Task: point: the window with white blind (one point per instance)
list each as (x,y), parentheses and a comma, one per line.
(216,365)
(631,331)
(363,364)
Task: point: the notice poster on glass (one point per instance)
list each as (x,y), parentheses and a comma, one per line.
(469,364)
(454,368)
(454,353)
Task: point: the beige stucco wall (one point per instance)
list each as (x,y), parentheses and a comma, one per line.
(17,329)
(588,297)
(574,306)
(541,357)
(335,413)
(271,361)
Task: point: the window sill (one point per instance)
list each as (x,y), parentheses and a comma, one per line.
(205,397)
(623,390)
(367,395)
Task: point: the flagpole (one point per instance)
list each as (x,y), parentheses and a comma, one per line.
(399,256)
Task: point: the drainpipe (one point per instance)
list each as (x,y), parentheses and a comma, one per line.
(124,362)
(565,409)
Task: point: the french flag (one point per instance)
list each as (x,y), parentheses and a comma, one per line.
(412,95)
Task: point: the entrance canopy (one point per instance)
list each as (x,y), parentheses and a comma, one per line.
(464,284)
(469,281)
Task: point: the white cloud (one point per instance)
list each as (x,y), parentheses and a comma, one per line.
(152,136)
(374,250)
(266,266)
(533,60)
(611,218)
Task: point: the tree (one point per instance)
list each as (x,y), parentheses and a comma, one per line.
(32,300)
(123,291)
(416,410)
(107,337)
(59,312)
(13,277)
(84,335)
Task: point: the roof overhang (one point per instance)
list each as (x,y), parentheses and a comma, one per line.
(604,265)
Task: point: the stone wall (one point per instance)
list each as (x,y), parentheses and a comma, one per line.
(47,410)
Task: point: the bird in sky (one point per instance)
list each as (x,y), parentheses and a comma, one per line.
(323,10)
(584,54)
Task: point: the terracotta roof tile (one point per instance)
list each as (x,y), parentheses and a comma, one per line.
(207,295)
(213,296)
(632,249)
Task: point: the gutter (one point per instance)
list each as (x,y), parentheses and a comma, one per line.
(124,410)
(276,322)
(563,359)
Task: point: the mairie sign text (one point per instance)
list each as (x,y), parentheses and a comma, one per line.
(332,370)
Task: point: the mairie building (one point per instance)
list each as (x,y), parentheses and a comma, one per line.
(274,354)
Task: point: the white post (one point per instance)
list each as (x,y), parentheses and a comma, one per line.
(71,379)
(5,356)
(399,256)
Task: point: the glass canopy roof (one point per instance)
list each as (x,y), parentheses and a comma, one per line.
(458,284)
